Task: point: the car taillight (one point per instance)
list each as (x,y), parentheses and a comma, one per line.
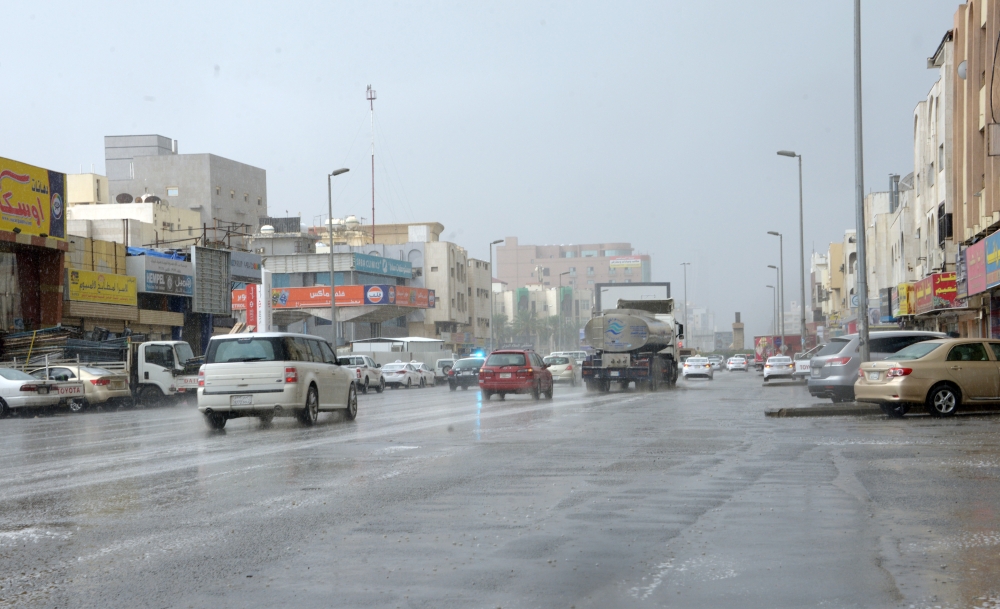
(29,387)
(100,382)
(525,372)
(291,375)
(357,372)
(837,361)
(201,376)
(708,365)
(451,372)
(570,367)
(899,372)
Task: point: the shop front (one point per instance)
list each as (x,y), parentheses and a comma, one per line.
(165,285)
(937,306)
(32,246)
(100,300)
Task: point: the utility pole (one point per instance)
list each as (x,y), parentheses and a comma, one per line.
(371,105)
(492,305)
(859,192)
(686,265)
(781,283)
(333,289)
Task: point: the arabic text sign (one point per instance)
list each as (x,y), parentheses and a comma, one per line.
(102,288)
(382,266)
(625,262)
(993,260)
(936,292)
(157,275)
(245,267)
(32,199)
(975,267)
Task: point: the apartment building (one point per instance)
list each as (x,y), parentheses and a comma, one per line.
(570,265)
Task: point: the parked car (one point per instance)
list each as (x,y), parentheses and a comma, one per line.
(97,386)
(778,366)
(465,373)
(579,356)
(564,369)
(737,363)
(515,371)
(834,368)
(426,374)
(802,360)
(441,368)
(716,361)
(367,374)
(272,374)
(400,374)
(697,367)
(21,390)
(941,375)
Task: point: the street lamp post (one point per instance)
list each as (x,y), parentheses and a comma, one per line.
(559,309)
(802,254)
(781,282)
(859,192)
(492,306)
(774,309)
(778,309)
(686,265)
(333,291)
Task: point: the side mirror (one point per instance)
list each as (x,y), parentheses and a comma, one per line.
(378,365)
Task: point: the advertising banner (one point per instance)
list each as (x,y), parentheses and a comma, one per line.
(894,301)
(240,300)
(378,265)
(995,317)
(32,200)
(378,294)
(252,305)
(156,275)
(316,297)
(431,299)
(885,307)
(938,291)
(101,288)
(211,281)
(992,260)
(619,262)
(975,267)
(906,295)
(245,267)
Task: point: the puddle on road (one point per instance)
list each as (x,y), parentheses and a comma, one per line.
(32,535)
(703,569)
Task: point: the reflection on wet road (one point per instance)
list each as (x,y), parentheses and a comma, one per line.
(431,498)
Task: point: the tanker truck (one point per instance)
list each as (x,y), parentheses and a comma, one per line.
(637,342)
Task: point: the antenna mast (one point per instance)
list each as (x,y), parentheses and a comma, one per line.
(371,105)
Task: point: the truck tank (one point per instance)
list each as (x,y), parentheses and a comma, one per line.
(621,330)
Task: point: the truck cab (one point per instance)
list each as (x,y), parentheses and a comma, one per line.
(163,370)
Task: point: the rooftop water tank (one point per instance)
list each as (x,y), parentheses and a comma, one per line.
(267,229)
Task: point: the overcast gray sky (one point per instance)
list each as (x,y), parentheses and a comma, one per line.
(558,122)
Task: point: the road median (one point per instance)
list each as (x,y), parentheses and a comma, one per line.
(825,410)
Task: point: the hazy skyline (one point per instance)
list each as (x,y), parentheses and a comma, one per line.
(655,123)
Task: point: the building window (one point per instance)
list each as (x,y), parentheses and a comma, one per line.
(590,270)
(218,190)
(434,269)
(232,194)
(590,282)
(941,157)
(612,271)
(97,184)
(190,231)
(259,201)
(246,197)
(628,270)
(172,191)
(572,271)
(588,253)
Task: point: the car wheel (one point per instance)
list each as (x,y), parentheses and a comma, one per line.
(943,400)
(452,387)
(76,406)
(408,383)
(216,420)
(351,412)
(364,388)
(487,394)
(423,382)
(266,419)
(310,414)
(445,370)
(465,387)
(536,392)
(4,409)
(548,394)
(895,411)
(150,396)
(380,387)
(503,396)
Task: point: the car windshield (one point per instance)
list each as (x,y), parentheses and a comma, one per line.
(697,360)
(915,351)
(779,360)
(834,347)
(183,352)
(468,364)
(556,361)
(505,359)
(246,349)
(16,375)
(392,367)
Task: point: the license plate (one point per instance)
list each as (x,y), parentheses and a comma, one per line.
(117,385)
(814,373)
(505,375)
(873,376)
(614,373)
(42,390)
(470,373)
(70,390)
(241,400)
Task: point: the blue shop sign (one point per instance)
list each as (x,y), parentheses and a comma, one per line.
(382,266)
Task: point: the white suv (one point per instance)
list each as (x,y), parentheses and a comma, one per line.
(367,373)
(273,373)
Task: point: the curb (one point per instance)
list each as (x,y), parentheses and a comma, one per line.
(845,410)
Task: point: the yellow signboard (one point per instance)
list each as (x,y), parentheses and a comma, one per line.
(32,200)
(103,288)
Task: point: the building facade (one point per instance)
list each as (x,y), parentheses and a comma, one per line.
(570,265)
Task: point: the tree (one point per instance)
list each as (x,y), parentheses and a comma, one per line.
(525,326)
(502,331)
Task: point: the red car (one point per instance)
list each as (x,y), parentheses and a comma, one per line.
(515,371)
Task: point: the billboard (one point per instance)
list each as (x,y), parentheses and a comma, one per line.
(935,292)
(975,267)
(620,262)
(377,265)
(245,267)
(992,260)
(155,275)
(904,300)
(316,297)
(211,281)
(32,200)
(101,288)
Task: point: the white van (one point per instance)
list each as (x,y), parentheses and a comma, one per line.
(273,373)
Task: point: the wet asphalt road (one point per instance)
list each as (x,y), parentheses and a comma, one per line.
(685,498)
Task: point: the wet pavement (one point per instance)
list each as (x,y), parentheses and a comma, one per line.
(686,498)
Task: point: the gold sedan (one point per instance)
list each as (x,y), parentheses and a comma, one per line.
(942,375)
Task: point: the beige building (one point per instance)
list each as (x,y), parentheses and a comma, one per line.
(171,226)
(86,189)
(584,265)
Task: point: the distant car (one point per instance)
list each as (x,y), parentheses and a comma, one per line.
(515,371)
(778,366)
(579,356)
(802,361)
(99,386)
(426,374)
(441,368)
(715,361)
(564,369)
(941,375)
(367,374)
(698,367)
(21,390)
(401,374)
(465,373)
(736,363)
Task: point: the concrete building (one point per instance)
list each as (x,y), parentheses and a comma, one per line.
(86,189)
(584,265)
(168,226)
(228,195)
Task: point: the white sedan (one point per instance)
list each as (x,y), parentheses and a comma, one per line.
(698,367)
(736,363)
(426,374)
(21,390)
(778,366)
(400,374)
